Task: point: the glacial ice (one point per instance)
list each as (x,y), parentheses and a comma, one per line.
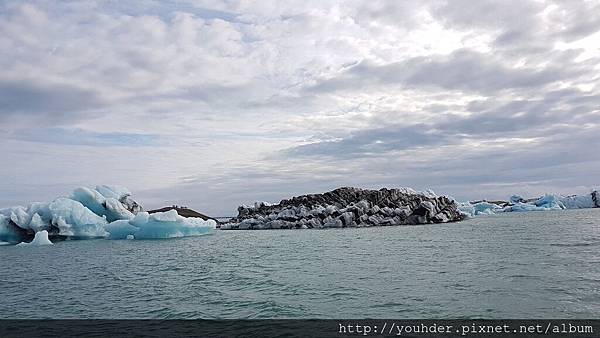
(481,208)
(41,238)
(106,211)
(159,225)
(544,203)
(550,202)
(73,219)
(486,208)
(579,201)
(102,205)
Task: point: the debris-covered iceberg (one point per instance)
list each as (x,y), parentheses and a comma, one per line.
(94,213)
(348,207)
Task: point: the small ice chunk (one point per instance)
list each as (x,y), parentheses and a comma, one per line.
(40,238)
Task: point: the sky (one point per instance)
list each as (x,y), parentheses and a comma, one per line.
(211,104)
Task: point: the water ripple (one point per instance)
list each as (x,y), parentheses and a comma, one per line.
(511,265)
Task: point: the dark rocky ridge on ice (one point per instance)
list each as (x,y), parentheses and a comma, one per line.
(348,207)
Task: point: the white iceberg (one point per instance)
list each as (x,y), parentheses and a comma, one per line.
(41,238)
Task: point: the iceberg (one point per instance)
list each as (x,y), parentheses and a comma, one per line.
(581,201)
(486,208)
(103,212)
(41,238)
(348,207)
(479,208)
(550,202)
(544,203)
(159,225)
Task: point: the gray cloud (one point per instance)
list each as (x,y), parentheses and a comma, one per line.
(374,142)
(538,117)
(80,137)
(462,70)
(50,103)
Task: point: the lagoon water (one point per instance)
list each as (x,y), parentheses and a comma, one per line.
(513,265)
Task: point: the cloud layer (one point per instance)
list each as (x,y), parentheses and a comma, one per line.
(215,103)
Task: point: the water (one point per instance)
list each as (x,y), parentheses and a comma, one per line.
(537,264)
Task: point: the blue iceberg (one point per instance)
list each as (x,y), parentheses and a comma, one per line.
(159,225)
(103,212)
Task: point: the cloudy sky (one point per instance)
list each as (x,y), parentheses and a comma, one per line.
(215,103)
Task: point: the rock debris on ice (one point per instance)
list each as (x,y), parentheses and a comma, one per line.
(348,207)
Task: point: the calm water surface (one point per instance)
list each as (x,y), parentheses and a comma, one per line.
(537,264)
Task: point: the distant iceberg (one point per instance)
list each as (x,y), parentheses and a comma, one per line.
(479,208)
(517,203)
(103,212)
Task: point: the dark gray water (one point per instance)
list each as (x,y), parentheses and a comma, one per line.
(537,264)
